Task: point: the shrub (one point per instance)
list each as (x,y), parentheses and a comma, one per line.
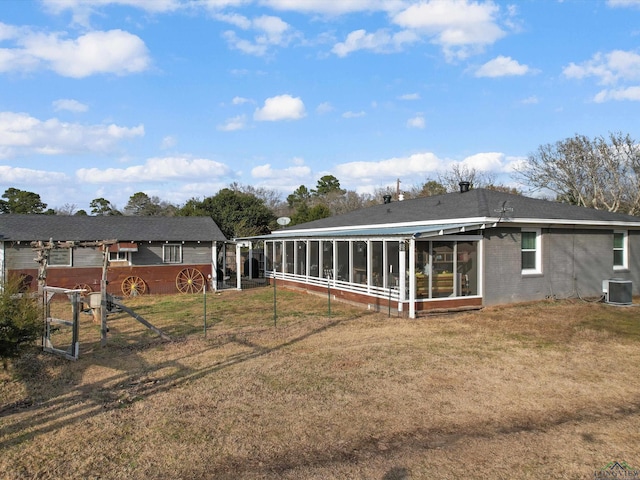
(20,320)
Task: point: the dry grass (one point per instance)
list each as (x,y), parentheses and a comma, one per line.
(545,390)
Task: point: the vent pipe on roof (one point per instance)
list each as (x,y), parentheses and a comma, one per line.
(464,186)
(386,198)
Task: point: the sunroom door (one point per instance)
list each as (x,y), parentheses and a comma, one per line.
(443,279)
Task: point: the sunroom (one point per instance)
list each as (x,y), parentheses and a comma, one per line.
(409,269)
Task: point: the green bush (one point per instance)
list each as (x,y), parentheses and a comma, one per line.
(20,320)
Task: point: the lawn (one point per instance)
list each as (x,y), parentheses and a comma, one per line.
(539,390)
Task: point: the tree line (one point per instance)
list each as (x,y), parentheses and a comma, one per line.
(601,173)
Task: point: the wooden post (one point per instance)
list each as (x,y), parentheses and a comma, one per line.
(103,298)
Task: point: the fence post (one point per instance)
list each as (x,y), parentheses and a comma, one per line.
(329,293)
(204,294)
(275,315)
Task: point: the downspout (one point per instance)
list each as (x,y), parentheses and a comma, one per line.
(214,266)
(238,259)
(2,272)
(412,277)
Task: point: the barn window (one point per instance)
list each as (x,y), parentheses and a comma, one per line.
(172,253)
(118,256)
(60,257)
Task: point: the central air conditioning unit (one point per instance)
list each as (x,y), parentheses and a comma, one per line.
(617,291)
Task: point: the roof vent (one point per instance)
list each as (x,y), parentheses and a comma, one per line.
(464,186)
(386,198)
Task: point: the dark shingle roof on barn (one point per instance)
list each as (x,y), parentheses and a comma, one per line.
(15,227)
(475,204)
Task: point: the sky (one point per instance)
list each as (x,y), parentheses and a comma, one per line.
(180,98)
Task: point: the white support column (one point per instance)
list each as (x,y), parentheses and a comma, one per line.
(238,274)
(334,245)
(214,266)
(369,264)
(2,272)
(351,245)
(412,277)
(307,253)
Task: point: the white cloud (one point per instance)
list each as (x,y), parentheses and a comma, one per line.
(335,7)
(82,10)
(168,142)
(235,19)
(461,27)
(240,100)
(290,173)
(416,165)
(12,176)
(623,3)
(324,107)
(222,4)
(58,6)
(351,114)
(232,124)
(23,134)
(379,42)
(513,163)
(97,52)
(156,170)
(70,105)
(530,100)
(409,96)
(269,31)
(245,46)
(273,29)
(280,107)
(284,179)
(608,68)
(485,162)
(501,67)
(629,93)
(417,122)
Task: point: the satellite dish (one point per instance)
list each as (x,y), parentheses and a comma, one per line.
(284,221)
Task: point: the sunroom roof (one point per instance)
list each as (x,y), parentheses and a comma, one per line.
(419,231)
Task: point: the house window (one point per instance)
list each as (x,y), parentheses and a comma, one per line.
(60,257)
(530,247)
(172,253)
(620,250)
(119,257)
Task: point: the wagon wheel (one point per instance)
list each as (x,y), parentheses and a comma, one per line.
(83,286)
(190,280)
(133,286)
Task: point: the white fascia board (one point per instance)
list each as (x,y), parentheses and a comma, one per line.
(541,222)
(418,223)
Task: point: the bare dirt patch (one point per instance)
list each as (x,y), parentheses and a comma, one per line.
(544,390)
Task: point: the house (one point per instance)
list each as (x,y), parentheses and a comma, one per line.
(466,249)
(145,254)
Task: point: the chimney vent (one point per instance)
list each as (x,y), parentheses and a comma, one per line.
(386,198)
(464,186)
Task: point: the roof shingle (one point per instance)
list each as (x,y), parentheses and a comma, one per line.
(14,227)
(476,203)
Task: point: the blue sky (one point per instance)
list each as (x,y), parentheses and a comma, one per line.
(180,98)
